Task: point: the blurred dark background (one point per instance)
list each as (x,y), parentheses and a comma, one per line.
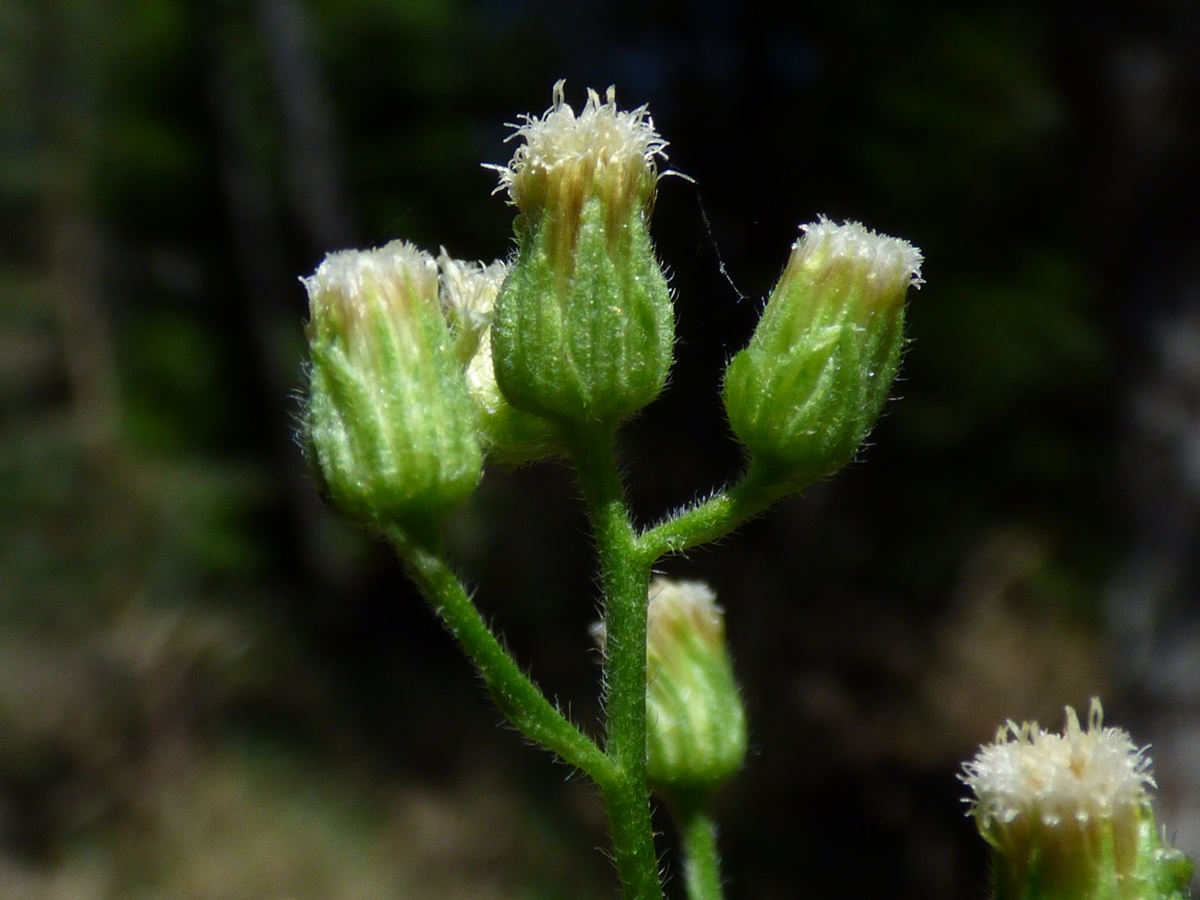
(209,688)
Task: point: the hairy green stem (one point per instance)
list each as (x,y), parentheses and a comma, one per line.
(625,577)
(712,519)
(701,861)
(518,698)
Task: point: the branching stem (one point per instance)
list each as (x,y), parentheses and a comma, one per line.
(626,557)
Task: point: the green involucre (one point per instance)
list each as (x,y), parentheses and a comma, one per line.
(587,335)
(695,722)
(809,387)
(1089,863)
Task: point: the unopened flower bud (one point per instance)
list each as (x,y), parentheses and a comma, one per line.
(807,390)
(695,721)
(388,418)
(468,292)
(584,325)
(1068,816)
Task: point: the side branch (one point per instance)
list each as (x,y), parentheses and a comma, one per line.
(712,519)
(518,698)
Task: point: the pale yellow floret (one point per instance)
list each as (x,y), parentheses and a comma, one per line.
(889,265)
(674,607)
(565,158)
(468,295)
(468,290)
(679,608)
(1029,771)
(350,285)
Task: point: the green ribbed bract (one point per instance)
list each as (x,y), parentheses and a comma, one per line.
(585,334)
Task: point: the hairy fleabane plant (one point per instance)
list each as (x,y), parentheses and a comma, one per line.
(442,363)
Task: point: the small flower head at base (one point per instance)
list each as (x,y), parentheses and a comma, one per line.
(1069,816)
(807,390)
(584,325)
(695,721)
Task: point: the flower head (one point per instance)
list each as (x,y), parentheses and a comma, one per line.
(807,390)
(388,417)
(584,326)
(1069,815)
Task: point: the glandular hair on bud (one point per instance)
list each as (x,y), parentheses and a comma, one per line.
(807,390)
(388,418)
(509,436)
(695,720)
(1069,816)
(584,325)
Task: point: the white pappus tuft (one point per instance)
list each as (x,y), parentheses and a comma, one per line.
(1031,782)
